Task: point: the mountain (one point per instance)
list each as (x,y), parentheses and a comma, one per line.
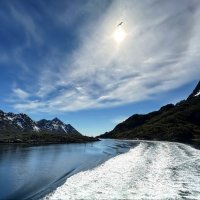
(14,123)
(21,128)
(180,122)
(10,122)
(56,126)
(196,92)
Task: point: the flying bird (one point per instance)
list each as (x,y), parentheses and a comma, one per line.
(120,24)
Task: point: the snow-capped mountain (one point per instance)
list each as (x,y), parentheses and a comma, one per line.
(22,123)
(56,125)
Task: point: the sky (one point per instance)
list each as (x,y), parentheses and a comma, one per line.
(62,59)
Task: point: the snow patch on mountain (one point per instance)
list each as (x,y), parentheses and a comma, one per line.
(197,94)
(55,126)
(63,127)
(19,124)
(10,118)
(36,128)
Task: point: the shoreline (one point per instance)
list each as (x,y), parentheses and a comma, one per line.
(45,138)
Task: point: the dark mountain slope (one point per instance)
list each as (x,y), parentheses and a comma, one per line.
(180,122)
(196,91)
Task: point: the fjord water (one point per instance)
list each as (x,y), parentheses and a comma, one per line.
(150,170)
(30,172)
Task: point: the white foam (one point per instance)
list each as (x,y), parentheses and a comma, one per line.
(149,171)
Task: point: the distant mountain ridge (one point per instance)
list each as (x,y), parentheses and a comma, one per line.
(21,123)
(180,122)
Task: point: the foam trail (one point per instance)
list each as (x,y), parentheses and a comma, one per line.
(152,170)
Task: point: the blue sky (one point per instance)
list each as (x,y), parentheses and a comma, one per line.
(60,58)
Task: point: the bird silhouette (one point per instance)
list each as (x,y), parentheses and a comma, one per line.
(120,23)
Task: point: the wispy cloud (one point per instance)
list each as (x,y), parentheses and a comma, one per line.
(160,53)
(21,94)
(30,105)
(24,19)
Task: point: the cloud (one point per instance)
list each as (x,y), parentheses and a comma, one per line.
(21,94)
(27,22)
(30,105)
(160,53)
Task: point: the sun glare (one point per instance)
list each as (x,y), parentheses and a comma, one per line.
(119,35)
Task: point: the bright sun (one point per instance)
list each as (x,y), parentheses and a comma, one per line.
(119,35)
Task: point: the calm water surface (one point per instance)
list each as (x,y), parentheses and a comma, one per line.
(30,172)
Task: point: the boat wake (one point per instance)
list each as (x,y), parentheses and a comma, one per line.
(151,170)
